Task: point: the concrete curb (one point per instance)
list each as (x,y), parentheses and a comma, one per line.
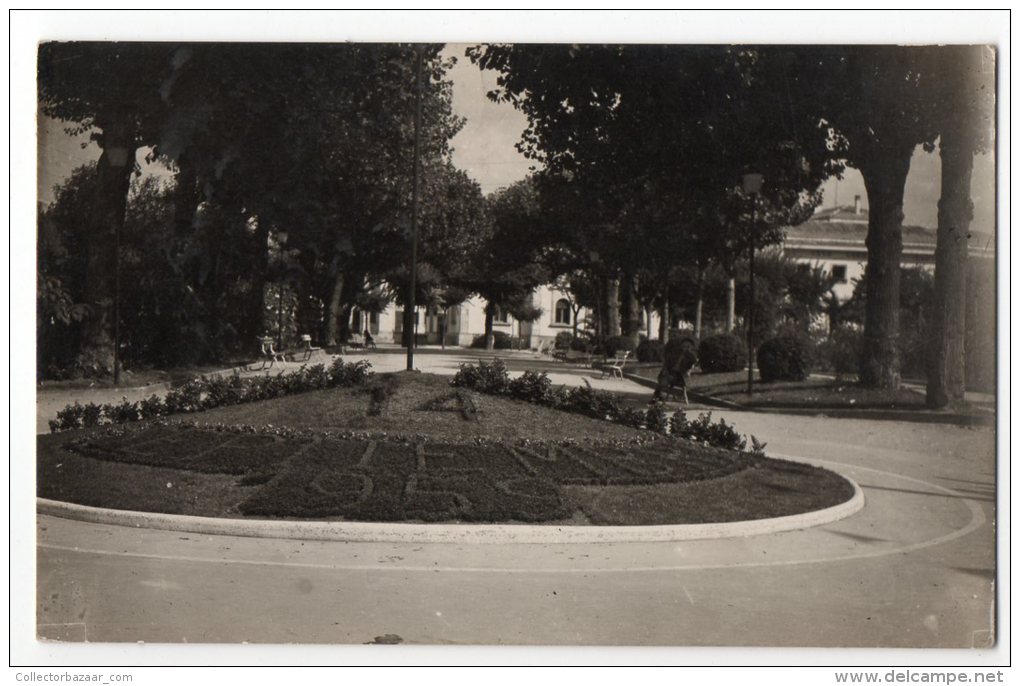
(922,417)
(366,532)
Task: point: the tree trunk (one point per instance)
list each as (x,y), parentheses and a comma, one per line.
(611,303)
(664,319)
(946,377)
(490,340)
(186,199)
(332,334)
(700,304)
(630,310)
(731,304)
(884,178)
(112,184)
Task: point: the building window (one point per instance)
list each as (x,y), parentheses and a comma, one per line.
(499,316)
(561,313)
(839,273)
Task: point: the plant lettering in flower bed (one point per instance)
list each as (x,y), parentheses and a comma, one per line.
(317,476)
(458,401)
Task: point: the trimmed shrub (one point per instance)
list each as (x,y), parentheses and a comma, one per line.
(151,407)
(591,403)
(722,353)
(581,344)
(485,377)
(656,419)
(615,344)
(785,358)
(563,340)
(534,387)
(531,386)
(650,351)
(345,374)
(215,391)
(702,430)
(501,340)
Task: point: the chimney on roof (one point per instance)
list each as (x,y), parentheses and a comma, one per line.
(857,204)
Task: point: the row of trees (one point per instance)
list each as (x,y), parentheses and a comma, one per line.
(643,147)
(292,166)
(290,173)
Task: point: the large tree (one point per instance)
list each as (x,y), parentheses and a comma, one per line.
(505,268)
(965,92)
(646,142)
(112,92)
(878,101)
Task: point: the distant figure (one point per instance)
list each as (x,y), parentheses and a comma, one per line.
(369,341)
(679,360)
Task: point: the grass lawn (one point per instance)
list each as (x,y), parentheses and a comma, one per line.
(408,447)
(816,392)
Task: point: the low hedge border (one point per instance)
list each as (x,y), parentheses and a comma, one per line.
(206,393)
(535,387)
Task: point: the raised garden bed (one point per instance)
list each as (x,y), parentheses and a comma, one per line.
(408,447)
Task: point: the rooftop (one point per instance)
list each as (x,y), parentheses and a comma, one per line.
(845,227)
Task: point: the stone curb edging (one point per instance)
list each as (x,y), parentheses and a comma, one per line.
(372,532)
(837,413)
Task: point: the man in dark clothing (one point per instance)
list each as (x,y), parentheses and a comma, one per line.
(679,360)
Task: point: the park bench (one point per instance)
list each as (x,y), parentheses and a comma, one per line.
(307,349)
(267,353)
(614,367)
(572,356)
(544,348)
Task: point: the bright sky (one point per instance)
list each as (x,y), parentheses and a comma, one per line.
(485,149)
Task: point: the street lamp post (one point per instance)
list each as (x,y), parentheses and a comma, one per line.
(410,313)
(117,157)
(752,186)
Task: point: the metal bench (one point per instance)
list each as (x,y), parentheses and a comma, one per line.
(307,349)
(614,367)
(268,352)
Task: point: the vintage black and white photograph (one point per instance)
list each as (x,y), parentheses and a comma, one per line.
(516,343)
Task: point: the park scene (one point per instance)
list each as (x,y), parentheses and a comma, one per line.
(516,344)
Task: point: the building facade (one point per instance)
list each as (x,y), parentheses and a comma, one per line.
(466,322)
(835,240)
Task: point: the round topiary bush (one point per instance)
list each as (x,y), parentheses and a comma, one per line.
(563,340)
(615,344)
(501,341)
(649,351)
(786,357)
(581,344)
(722,353)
